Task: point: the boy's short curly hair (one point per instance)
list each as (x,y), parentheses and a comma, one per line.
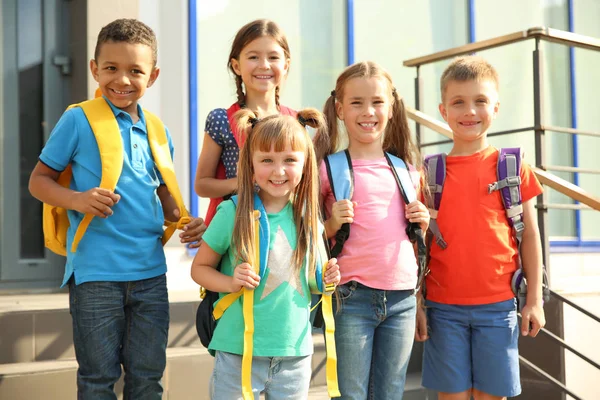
(468,68)
(128,30)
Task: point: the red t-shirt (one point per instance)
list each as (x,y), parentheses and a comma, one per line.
(481,257)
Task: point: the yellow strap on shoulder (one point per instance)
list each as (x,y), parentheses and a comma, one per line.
(249,318)
(159,144)
(110,145)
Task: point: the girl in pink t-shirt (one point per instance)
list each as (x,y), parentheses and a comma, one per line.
(375,320)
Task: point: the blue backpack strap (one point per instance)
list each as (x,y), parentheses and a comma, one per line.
(435,167)
(403,179)
(341,177)
(264,234)
(409,194)
(339,170)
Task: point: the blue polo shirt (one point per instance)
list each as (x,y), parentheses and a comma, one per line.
(127,245)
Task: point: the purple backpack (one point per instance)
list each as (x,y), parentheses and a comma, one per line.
(509,185)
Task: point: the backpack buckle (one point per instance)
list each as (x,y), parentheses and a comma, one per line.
(513,180)
(441,242)
(519,226)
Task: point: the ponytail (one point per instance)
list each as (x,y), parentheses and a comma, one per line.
(326,140)
(397,137)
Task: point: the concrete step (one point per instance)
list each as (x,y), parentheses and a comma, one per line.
(39,327)
(186,376)
(412,390)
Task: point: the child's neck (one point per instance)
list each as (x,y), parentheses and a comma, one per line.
(365,151)
(263,104)
(273,205)
(463,148)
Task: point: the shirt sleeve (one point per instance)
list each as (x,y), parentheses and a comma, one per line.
(60,148)
(217,126)
(219,232)
(530,186)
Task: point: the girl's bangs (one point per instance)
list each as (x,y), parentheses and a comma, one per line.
(279,137)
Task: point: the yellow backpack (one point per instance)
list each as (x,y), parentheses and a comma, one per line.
(108,136)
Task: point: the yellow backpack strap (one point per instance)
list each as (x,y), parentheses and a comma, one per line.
(333,389)
(248,311)
(159,144)
(110,145)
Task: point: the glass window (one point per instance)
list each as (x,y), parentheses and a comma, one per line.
(316,34)
(587,81)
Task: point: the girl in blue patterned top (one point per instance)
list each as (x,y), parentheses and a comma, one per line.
(259,60)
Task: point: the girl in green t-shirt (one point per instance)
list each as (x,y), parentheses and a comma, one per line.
(278,169)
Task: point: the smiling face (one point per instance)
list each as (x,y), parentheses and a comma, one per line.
(262,64)
(365,109)
(469,108)
(277,173)
(124,71)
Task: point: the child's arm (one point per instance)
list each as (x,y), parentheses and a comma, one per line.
(205,274)
(206,184)
(43,186)
(341,212)
(531,252)
(192,232)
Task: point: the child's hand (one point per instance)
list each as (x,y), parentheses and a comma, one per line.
(96,201)
(244,276)
(532,319)
(417,212)
(421,324)
(192,232)
(342,212)
(332,272)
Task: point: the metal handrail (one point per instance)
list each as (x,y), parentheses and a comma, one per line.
(575,306)
(567,346)
(543,33)
(546,178)
(548,377)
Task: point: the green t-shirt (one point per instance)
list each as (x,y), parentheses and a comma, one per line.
(281,300)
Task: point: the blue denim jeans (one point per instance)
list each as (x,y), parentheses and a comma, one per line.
(120,323)
(374,333)
(278,378)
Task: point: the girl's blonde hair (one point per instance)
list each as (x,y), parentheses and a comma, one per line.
(397,138)
(247,33)
(277,132)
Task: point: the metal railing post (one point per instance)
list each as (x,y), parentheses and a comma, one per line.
(418,104)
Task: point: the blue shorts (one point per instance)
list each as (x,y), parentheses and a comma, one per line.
(472,347)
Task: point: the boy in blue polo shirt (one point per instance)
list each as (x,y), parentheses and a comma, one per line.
(117,283)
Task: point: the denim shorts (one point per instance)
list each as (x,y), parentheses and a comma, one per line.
(472,347)
(279,378)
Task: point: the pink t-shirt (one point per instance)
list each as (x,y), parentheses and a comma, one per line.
(378,253)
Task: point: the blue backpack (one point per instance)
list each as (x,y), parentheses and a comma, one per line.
(509,185)
(341,180)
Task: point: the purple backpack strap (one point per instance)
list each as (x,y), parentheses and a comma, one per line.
(509,185)
(435,166)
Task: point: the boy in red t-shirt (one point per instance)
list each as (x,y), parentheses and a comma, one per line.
(470,308)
